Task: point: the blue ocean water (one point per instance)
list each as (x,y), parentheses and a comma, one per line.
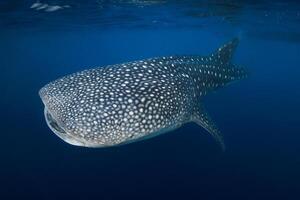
(259,116)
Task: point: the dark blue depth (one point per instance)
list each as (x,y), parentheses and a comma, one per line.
(258,116)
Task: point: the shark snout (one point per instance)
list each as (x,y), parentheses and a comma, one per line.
(51,100)
(56,121)
(58,128)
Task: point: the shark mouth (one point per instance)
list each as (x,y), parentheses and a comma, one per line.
(55,126)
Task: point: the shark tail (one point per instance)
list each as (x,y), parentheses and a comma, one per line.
(222,57)
(223,72)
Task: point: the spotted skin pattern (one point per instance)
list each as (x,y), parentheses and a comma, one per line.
(123,103)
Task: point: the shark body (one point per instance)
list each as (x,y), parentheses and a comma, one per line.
(123,103)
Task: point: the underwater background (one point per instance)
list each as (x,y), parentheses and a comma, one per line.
(41,41)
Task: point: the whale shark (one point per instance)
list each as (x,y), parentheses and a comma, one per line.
(124,103)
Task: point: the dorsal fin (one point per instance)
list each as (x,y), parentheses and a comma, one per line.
(225,53)
(202,118)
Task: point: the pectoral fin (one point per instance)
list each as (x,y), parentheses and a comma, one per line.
(202,118)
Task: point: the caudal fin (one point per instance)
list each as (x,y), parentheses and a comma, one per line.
(221,72)
(222,57)
(225,53)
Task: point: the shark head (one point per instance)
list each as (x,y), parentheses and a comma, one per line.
(77,114)
(65,119)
